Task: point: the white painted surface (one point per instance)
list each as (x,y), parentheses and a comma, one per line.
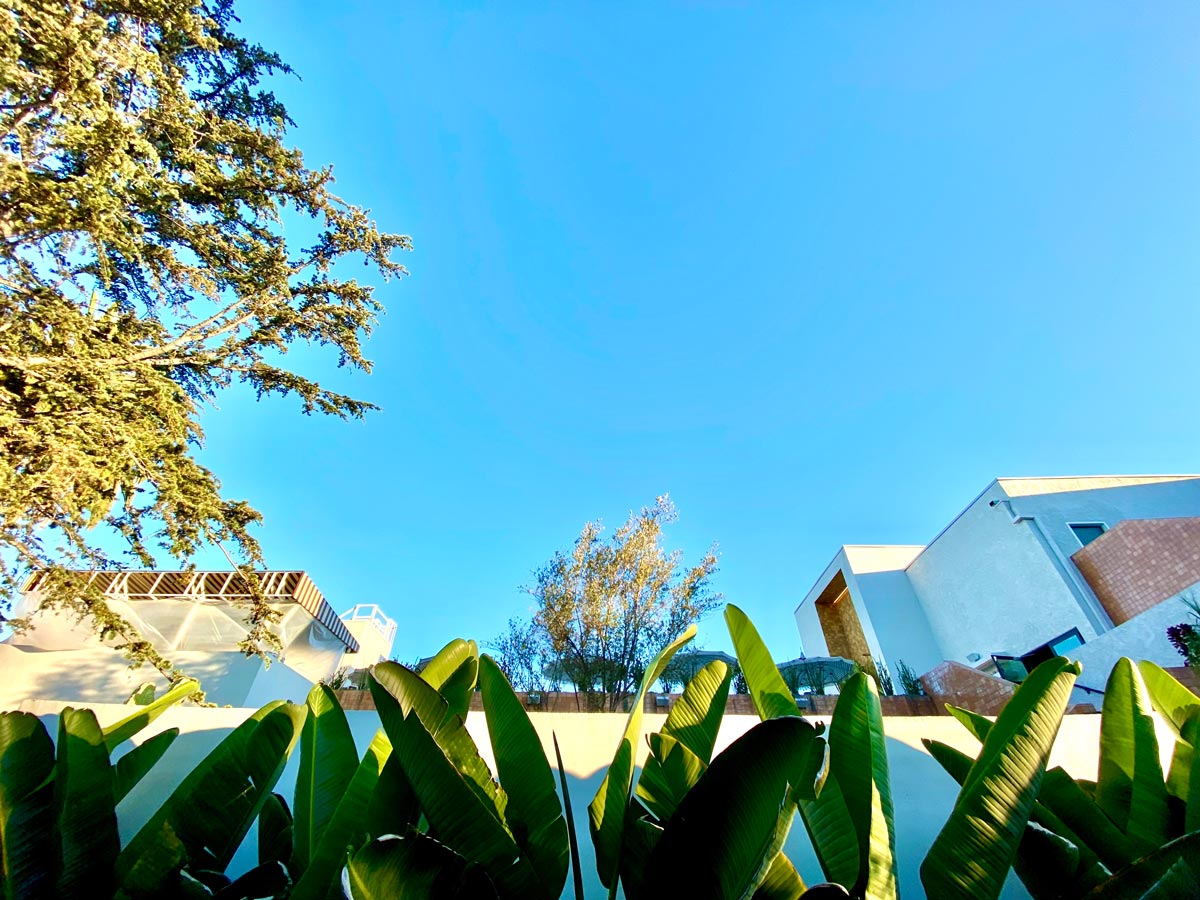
(923,793)
(1142,637)
(97,675)
(988,584)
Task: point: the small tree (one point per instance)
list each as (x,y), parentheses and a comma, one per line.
(886,686)
(520,653)
(607,607)
(910,682)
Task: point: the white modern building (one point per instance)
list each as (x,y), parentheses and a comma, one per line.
(1093,567)
(195,620)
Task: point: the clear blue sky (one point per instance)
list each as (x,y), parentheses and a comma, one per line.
(819,273)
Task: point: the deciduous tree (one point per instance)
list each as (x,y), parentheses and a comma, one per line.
(144,267)
(608,606)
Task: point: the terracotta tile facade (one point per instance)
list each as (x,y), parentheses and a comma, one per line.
(1138,563)
(952,682)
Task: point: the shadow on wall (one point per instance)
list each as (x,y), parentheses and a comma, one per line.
(99,675)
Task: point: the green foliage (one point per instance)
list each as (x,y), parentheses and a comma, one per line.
(58,804)
(1126,835)
(910,681)
(975,849)
(145,268)
(606,608)
(607,811)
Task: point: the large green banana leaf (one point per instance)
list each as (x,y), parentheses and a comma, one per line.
(533,813)
(1065,798)
(783,882)
(607,811)
(397,691)
(1181,708)
(453,672)
(974,850)
(133,766)
(1048,870)
(328,760)
(457,814)
(26,807)
(126,728)
(692,727)
(413,867)
(1130,787)
(832,833)
(348,828)
(85,805)
(211,810)
(671,771)
(1147,877)
(722,840)
(447,661)
(858,761)
(770,694)
(276,831)
(695,718)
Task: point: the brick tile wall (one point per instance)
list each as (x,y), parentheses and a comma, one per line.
(1138,563)
(952,682)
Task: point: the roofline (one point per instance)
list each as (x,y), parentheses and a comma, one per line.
(961,513)
(1080,477)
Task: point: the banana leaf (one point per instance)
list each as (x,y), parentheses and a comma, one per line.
(413,867)
(533,812)
(607,811)
(1041,863)
(452,673)
(696,718)
(462,819)
(858,761)
(978,725)
(1130,787)
(328,760)
(974,850)
(397,691)
(133,766)
(210,812)
(276,831)
(126,728)
(783,882)
(671,771)
(770,694)
(85,804)
(1148,874)
(26,806)
(692,725)
(1181,708)
(348,829)
(723,839)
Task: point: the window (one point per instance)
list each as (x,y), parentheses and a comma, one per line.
(1087,532)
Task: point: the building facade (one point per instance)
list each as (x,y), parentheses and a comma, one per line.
(1093,567)
(195,620)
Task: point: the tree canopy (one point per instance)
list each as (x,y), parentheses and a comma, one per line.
(604,609)
(144,268)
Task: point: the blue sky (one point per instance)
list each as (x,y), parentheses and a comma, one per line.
(820,273)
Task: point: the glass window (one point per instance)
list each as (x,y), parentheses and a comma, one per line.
(1086,533)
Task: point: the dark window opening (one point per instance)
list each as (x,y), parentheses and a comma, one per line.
(1086,533)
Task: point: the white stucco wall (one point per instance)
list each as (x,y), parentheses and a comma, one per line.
(1142,637)
(923,793)
(989,586)
(95,675)
(1061,502)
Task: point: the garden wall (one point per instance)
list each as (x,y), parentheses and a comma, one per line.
(923,793)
